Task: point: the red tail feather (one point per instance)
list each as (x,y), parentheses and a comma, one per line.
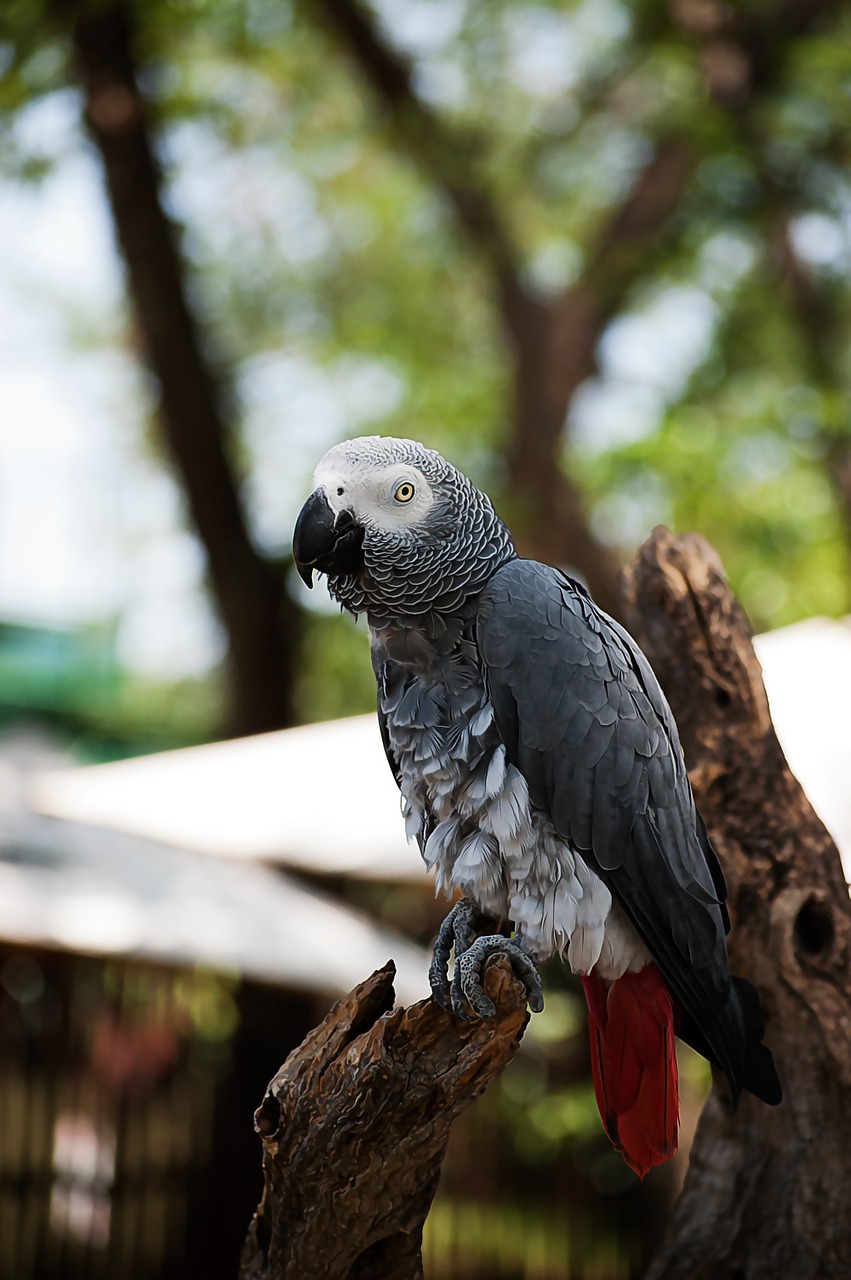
(633,1022)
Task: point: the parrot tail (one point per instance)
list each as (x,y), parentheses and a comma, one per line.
(633,1022)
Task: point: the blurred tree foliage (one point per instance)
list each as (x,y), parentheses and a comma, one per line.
(595,251)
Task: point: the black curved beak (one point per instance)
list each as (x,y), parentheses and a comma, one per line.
(324,541)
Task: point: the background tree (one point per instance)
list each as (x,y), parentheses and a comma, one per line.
(578,246)
(261,619)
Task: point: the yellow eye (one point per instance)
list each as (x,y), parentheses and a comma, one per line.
(405,492)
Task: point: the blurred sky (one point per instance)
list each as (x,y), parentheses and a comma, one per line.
(90,527)
(91,523)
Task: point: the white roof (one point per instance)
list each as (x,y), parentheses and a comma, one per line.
(322,797)
(69,886)
(807,668)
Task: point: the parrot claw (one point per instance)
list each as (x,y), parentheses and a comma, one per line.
(467,991)
(458,930)
(465,995)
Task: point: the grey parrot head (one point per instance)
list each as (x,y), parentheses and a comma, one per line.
(397,529)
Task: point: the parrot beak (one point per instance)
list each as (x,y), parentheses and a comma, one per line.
(326,541)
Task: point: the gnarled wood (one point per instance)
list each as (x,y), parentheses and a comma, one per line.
(767,1189)
(355,1126)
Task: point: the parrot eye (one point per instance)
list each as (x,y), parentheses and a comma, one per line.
(404,492)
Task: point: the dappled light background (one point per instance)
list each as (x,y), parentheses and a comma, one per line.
(340,297)
(596,252)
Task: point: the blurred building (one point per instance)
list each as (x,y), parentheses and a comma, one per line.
(267,798)
(147,995)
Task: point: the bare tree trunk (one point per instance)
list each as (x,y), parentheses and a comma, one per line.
(767,1189)
(355,1126)
(260,620)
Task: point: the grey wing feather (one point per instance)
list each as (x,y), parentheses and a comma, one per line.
(583,718)
(395,685)
(379,668)
(388,750)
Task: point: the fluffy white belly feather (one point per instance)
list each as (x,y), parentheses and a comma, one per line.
(485,840)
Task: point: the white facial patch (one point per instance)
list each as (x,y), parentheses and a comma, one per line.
(393,497)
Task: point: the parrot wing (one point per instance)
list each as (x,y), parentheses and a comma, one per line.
(387,745)
(583,718)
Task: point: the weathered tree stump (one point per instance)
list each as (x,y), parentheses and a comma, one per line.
(355,1124)
(767,1189)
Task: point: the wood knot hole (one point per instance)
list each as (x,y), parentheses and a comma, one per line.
(814,929)
(267,1117)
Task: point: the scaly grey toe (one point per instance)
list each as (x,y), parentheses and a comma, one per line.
(458,930)
(467,991)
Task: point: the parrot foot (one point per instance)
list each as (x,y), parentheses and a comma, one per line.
(458,930)
(467,990)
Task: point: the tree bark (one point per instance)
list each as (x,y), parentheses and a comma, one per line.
(766,1191)
(260,620)
(355,1126)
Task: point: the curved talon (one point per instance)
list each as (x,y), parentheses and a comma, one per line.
(467,987)
(438,979)
(458,930)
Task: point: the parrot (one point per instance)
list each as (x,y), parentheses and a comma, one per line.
(542,777)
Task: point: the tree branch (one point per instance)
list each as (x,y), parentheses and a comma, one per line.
(555,346)
(355,1126)
(765,1193)
(445,155)
(260,620)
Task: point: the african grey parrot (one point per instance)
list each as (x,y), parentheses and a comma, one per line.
(542,775)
